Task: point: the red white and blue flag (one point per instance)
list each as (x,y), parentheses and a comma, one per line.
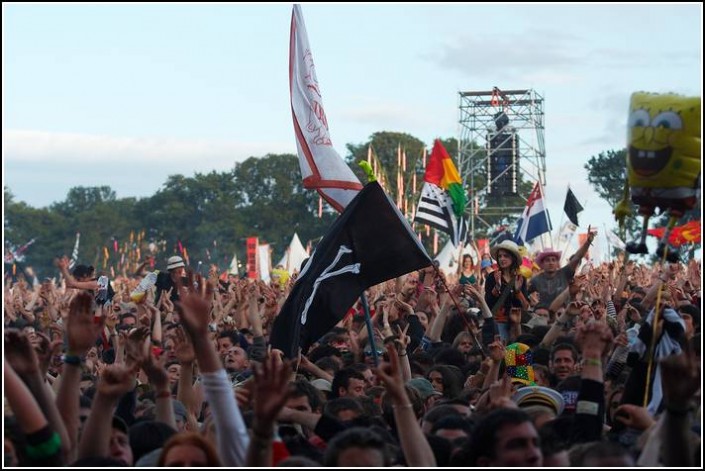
(534,220)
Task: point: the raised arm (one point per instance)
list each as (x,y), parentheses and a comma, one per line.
(680,377)
(232,436)
(44,444)
(81,334)
(574,261)
(63,265)
(115,381)
(417,451)
(22,358)
(159,380)
(270,395)
(186,356)
(402,342)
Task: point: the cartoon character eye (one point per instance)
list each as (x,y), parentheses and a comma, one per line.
(639,118)
(667,120)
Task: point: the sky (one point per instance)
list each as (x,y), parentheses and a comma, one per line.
(126,95)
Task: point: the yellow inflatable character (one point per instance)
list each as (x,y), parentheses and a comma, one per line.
(663,161)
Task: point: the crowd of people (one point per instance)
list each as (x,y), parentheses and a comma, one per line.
(578,365)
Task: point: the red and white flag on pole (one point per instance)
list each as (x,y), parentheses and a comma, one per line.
(322,167)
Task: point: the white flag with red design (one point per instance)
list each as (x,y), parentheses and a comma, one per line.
(322,167)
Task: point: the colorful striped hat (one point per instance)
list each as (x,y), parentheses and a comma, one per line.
(519,361)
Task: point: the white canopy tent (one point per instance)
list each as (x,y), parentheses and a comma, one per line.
(294,256)
(449,257)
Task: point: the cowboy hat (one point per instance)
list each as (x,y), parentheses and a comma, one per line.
(547,253)
(510,247)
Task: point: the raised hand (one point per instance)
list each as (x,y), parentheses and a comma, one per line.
(194,310)
(574,286)
(389,374)
(81,329)
(156,372)
(634,416)
(680,379)
(500,394)
(402,340)
(594,339)
(183,348)
(473,292)
(111,318)
(270,390)
(497,350)
(165,300)
(403,307)
(20,353)
(45,350)
(137,347)
(115,380)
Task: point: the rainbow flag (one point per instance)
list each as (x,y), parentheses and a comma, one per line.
(441,172)
(443,199)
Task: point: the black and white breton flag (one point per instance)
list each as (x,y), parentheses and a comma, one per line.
(436,209)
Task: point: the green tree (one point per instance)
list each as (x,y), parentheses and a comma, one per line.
(606,174)
(274,203)
(386,147)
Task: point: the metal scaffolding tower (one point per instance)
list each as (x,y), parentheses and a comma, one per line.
(502,140)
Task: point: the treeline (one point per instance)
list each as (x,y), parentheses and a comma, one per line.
(210,215)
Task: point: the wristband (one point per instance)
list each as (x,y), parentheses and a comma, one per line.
(45,449)
(74,360)
(592,362)
(163,394)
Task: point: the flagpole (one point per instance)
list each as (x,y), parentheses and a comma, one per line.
(654,329)
(370,331)
(560,225)
(460,311)
(548,220)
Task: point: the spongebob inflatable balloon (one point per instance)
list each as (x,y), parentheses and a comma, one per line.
(663,162)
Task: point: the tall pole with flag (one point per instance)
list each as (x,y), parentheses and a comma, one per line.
(321,166)
(534,220)
(572,207)
(443,199)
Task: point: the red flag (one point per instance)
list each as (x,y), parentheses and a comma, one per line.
(689,232)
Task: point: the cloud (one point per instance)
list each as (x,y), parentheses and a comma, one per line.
(29,146)
(532,51)
(630,58)
(40,167)
(380,115)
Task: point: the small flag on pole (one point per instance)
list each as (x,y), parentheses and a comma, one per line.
(534,220)
(572,207)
